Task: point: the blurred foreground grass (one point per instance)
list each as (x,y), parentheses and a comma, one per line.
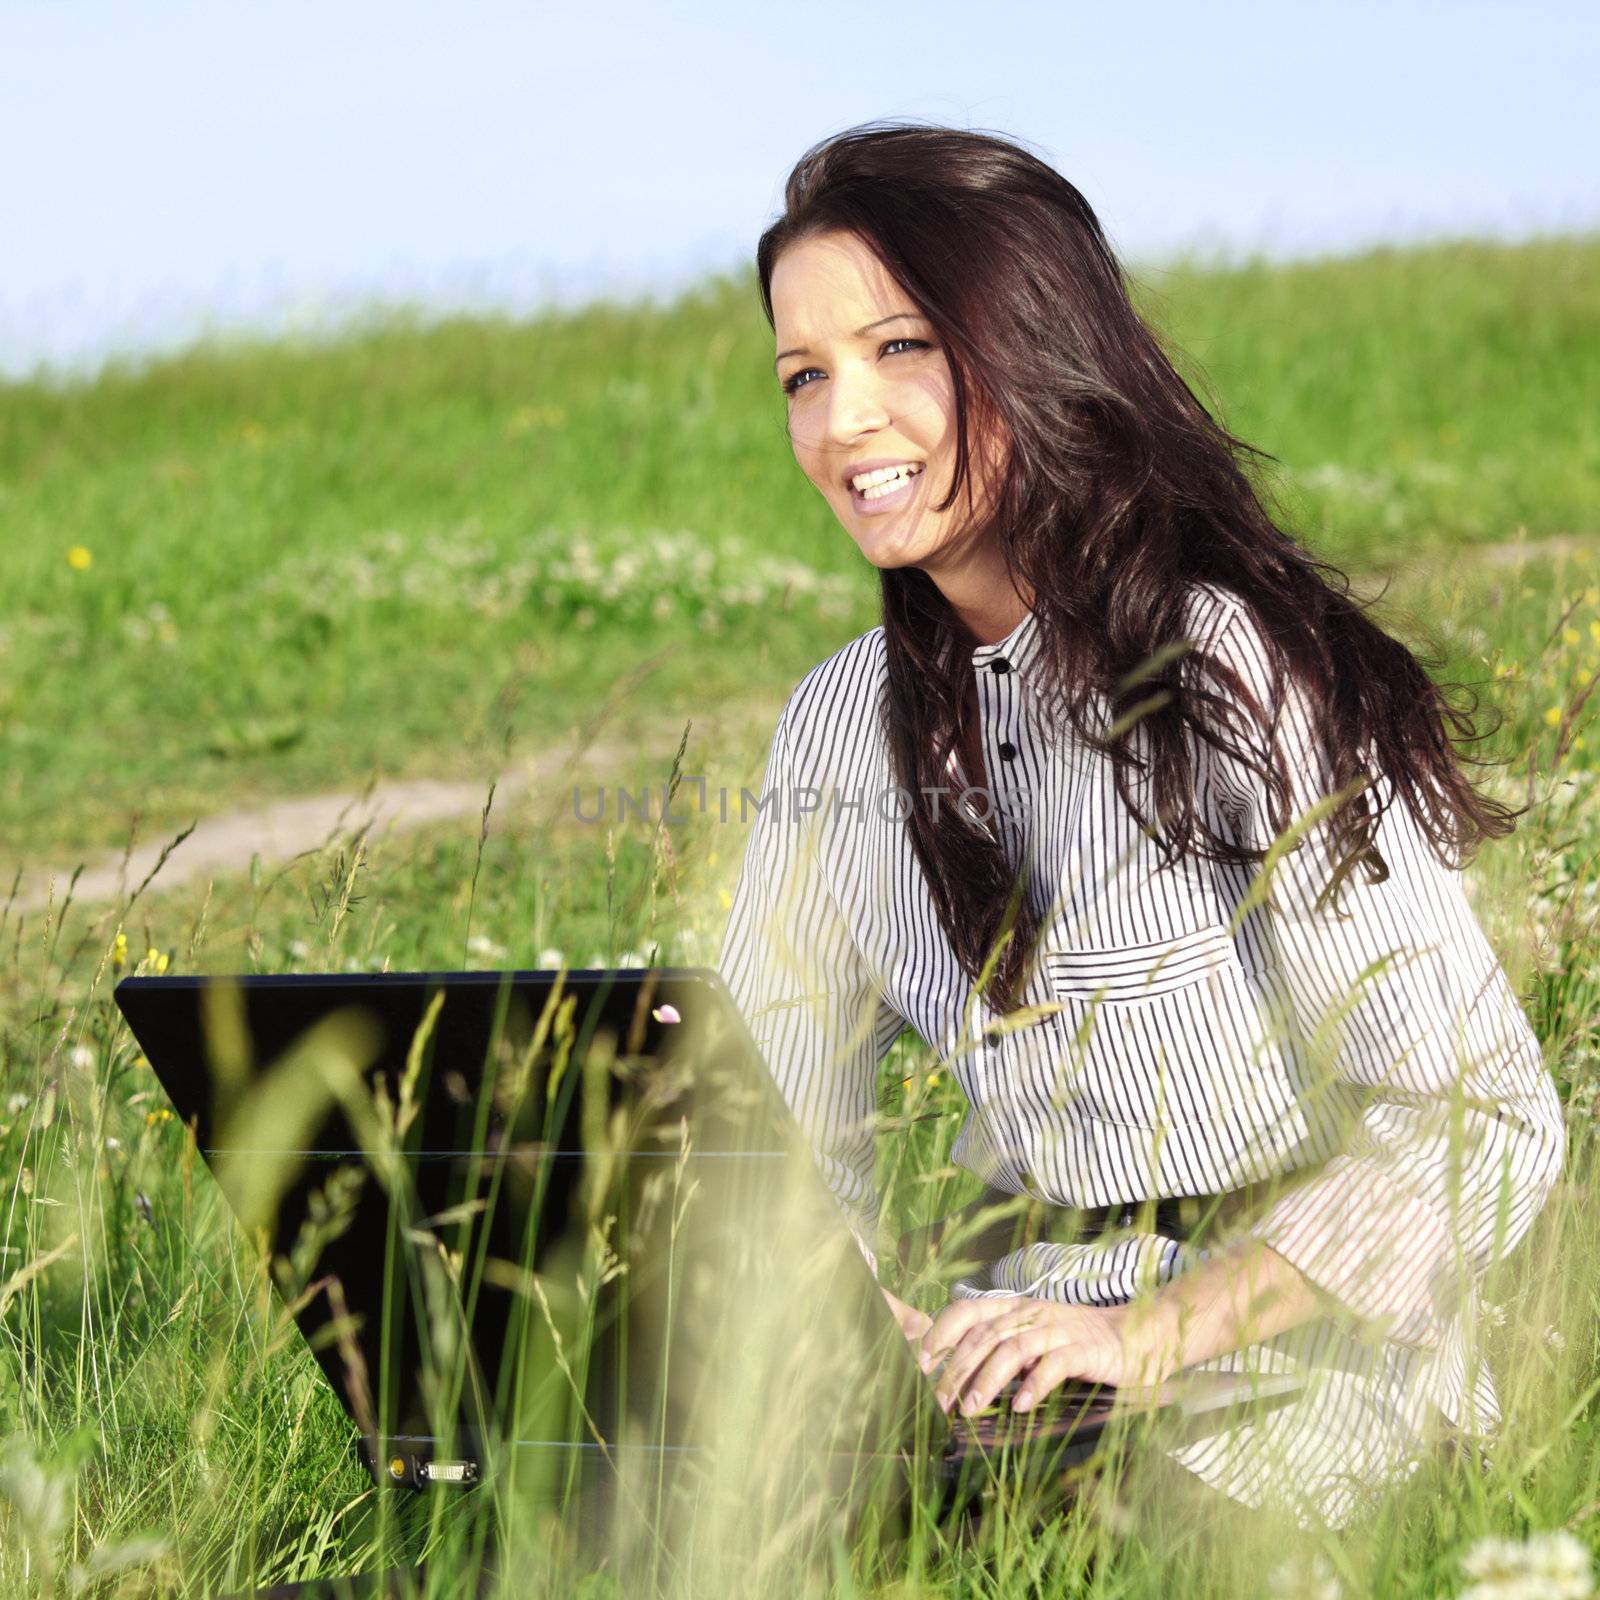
(177,1425)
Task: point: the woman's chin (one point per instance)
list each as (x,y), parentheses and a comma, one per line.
(887,549)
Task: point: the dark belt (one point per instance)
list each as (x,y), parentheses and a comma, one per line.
(997,1222)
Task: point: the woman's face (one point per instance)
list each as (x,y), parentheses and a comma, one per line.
(867,387)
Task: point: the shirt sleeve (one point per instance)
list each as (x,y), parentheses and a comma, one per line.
(1452,1129)
(812,1005)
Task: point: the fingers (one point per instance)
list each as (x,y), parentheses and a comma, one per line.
(958,1319)
(912,1322)
(993,1368)
(979,1344)
(1054,1367)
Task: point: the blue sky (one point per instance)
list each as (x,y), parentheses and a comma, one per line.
(169,166)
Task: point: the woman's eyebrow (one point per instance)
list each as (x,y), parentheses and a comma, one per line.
(860,333)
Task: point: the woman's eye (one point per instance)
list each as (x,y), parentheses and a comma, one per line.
(792,384)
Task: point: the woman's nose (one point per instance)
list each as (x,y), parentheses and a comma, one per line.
(856,406)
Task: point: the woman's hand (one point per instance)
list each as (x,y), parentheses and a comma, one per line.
(986,1343)
(913,1323)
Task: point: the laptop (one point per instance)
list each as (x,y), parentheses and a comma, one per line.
(560,1230)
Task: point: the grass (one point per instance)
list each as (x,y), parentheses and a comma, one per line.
(425,537)
(166,1431)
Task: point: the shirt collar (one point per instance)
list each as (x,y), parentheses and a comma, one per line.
(1019,648)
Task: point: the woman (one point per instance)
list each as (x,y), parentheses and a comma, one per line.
(1030,816)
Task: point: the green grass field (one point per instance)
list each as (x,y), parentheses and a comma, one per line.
(426,539)
(437,550)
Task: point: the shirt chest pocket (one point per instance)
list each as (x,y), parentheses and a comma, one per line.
(1165,1034)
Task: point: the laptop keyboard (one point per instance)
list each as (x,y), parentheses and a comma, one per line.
(1069,1406)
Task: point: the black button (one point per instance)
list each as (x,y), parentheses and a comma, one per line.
(999,664)
(1008,751)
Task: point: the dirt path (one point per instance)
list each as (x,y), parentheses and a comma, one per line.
(280,831)
(284,829)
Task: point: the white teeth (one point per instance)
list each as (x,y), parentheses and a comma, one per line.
(871,485)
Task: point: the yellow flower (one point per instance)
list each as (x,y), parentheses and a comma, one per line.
(161,962)
(151,953)
(726,899)
(152,1118)
(80,558)
(141,1063)
(119,952)
(1569,635)
(1577,744)
(711,860)
(1553,715)
(933,1078)
(1594,631)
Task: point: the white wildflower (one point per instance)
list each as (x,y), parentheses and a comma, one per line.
(81,1057)
(298,949)
(1555,1338)
(1494,1315)
(1545,1566)
(1581,1104)
(1339,479)
(107,1559)
(480,944)
(1305,1576)
(550,957)
(36,1493)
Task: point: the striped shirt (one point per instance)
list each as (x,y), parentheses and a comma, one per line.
(1194,1041)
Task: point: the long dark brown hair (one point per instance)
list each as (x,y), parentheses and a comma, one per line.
(1120,491)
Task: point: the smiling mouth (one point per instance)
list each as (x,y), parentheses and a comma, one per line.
(888,492)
